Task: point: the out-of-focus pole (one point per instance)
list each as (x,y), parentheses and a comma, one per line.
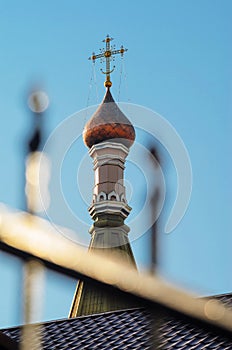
(157,314)
(33,270)
(33,300)
(155,198)
(36,161)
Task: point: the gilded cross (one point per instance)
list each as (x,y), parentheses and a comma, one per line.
(107,54)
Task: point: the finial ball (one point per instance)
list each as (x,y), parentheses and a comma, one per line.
(108,83)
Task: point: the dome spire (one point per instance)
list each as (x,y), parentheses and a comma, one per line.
(107,54)
(108,135)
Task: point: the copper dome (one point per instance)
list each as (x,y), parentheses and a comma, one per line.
(108,123)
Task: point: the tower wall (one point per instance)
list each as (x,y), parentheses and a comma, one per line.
(108,134)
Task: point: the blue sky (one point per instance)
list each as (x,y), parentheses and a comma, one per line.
(178,64)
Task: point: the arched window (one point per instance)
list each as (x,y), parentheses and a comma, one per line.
(101,197)
(113,196)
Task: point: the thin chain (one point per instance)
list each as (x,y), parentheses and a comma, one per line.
(89,93)
(95,82)
(90,87)
(120,79)
(125,81)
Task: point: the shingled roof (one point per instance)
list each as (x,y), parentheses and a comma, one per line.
(127,329)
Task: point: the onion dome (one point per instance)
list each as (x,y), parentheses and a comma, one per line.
(108,123)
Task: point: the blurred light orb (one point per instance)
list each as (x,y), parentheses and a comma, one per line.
(38,101)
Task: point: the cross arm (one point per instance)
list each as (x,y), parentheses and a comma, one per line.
(94,57)
(121,51)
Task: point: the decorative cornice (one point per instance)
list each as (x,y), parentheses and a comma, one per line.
(110,145)
(109,207)
(109,153)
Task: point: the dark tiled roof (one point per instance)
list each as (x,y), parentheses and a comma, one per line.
(226,299)
(127,329)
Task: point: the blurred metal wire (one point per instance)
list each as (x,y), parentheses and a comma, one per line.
(28,238)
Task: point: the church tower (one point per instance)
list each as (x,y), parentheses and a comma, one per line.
(109,136)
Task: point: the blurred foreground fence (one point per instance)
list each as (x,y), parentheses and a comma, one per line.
(36,241)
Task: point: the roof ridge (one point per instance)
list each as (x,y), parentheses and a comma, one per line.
(74,318)
(218,295)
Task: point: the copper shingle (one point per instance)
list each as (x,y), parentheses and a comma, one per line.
(108,123)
